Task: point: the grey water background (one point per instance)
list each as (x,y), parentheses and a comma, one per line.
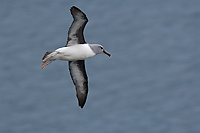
(149,85)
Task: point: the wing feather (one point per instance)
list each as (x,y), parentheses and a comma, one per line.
(77,68)
(80,80)
(75,33)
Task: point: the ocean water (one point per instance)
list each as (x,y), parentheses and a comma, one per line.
(149,85)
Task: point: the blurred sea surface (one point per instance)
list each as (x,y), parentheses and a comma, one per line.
(150,84)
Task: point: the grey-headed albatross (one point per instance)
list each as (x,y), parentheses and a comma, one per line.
(76,51)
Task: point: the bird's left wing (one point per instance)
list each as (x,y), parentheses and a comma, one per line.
(80,80)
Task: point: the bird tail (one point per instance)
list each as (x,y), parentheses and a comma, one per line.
(47,58)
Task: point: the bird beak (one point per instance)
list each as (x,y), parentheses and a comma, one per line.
(105,52)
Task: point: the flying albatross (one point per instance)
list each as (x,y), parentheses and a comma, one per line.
(76,51)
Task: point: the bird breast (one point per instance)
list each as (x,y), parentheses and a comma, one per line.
(74,52)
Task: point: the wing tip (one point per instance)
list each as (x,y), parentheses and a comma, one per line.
(81,99)
(75,10)
(81,104)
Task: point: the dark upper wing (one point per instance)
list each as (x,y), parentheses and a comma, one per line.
(77,68)
(75,33)
(80,80)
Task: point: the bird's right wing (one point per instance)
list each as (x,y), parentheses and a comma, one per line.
(75,33)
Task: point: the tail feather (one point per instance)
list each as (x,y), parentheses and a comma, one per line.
(46,59)
(47,54)
(46,63)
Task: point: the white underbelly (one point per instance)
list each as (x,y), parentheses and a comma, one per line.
(79,52)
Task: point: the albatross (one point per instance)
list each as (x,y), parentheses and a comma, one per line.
(75,52)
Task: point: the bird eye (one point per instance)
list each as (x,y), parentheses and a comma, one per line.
(101,47)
